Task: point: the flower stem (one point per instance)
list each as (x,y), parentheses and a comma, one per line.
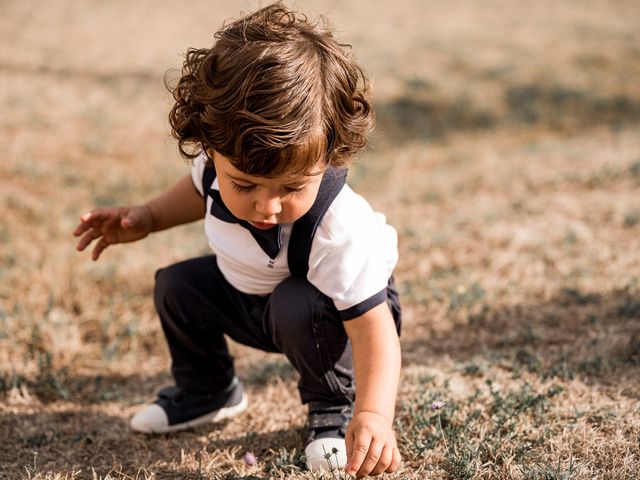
(442,432)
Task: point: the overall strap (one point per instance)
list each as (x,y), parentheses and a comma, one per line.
(208,177)
(305,227)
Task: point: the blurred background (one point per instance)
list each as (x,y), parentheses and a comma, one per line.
(507,155)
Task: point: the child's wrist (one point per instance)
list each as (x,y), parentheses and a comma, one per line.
(385,416)
(152,217)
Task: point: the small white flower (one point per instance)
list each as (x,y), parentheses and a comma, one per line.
(438,405)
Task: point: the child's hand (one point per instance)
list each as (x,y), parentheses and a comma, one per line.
(113,225)
(371,445)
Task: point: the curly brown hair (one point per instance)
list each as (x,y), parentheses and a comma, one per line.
(275,94)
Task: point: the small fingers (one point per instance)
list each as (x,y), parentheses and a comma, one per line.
(95,218)
(99,215)
(372,457)
(396,461)
(99,248)
(80,229)
(386,457)
(91,219)
(89,237)
(357,453)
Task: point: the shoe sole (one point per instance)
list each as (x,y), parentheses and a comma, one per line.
(222,414)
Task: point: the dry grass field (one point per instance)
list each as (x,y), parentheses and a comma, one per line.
(507,154)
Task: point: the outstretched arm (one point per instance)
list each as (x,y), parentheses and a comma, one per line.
(178,205)
(371,443)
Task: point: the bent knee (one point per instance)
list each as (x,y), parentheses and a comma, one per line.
(293,304)
(296,304)
(170,282)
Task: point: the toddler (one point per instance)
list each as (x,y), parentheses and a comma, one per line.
(270,118)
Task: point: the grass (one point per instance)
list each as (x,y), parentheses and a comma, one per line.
(507,157)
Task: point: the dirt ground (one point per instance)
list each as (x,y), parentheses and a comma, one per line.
(507,155)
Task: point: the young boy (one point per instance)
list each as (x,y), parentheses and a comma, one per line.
(271,116)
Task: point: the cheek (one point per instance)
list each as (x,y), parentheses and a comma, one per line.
(234,201)
(297,207)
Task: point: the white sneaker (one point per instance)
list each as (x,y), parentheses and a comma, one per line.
(326,454)
(326,449)
(177,410)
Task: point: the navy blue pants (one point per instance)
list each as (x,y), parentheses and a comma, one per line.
(197,307)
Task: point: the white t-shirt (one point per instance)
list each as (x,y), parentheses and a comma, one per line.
(353,252)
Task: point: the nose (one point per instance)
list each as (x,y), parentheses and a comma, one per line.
(268,205)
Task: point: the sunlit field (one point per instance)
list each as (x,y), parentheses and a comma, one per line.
(507,155)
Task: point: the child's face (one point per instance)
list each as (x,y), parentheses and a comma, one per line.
(265,202)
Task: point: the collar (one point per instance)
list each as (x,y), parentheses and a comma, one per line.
(270,240)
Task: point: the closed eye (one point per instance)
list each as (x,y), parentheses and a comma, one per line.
(294,190)
(242,188)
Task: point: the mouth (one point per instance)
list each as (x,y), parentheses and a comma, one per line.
(263,225)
